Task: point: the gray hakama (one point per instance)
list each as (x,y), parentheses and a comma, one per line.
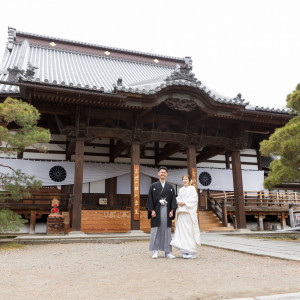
(160,237)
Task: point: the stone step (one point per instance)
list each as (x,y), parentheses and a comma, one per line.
(217,228)
(217,222)
(208,218)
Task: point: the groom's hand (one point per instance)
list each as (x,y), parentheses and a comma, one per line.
(171,214)
(153,214)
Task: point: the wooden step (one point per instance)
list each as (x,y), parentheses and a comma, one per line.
(208,221)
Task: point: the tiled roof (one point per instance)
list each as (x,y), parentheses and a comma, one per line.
(77,69)
(84,70)
(57,67)
(274,110)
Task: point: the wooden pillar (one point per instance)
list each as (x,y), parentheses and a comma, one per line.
(135,186)
(227,160)
(259,164)
(282,221)
(260,222)
(191,164)
(32,221)
(20,155)
(238,190)
(111,192)
(78,180)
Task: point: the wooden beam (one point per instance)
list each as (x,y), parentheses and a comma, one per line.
(59,124)
(208,152)
(156,136)
(116,150)
(238,190)
(143,113)
(70,148)
(168,151)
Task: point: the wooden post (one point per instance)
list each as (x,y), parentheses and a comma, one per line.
(111,192)
(259,164)
(283,221)
(135,186)
(32,221)
(224,213)
(260,222)
(78,180)
(192,165)
(238,190)
(227,161)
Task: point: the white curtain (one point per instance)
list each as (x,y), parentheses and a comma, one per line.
(221,179)
(214,179)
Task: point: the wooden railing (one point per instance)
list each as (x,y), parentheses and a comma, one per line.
(40,200)
(218,207)
(260,198)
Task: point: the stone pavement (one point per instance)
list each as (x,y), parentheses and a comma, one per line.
(264,247)
(290,296)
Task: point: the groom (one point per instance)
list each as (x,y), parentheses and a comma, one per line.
(161,205)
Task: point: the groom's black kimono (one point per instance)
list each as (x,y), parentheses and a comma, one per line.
(156,193)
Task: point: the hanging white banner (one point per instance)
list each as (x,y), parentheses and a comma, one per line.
(222,180)
(53,173)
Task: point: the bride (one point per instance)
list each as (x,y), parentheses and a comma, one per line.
(187,233)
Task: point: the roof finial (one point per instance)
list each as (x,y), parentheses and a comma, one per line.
(119,82)
(188,62)
(11,37)
(30,71)
(184,72)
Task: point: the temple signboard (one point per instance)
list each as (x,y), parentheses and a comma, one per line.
(136,193)
(194,178)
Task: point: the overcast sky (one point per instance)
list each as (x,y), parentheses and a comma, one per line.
(237,46)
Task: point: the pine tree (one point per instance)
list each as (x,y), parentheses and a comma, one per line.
(284,143)
(18,130)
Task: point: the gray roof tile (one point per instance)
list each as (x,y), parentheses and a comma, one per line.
(69,68)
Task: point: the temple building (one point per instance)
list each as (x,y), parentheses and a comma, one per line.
(115,115)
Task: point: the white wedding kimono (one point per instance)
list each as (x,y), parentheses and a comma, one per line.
(187,232)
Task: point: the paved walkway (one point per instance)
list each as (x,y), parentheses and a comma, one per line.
(291,296)
(264,247)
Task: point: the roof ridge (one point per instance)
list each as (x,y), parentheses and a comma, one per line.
(99,55)
(100,46)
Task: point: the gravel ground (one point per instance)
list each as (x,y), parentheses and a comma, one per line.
(127,271)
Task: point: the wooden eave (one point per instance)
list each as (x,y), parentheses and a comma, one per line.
(211,106)
(262,117)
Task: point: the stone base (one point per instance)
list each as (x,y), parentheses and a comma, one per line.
(137,232)
(243,230)
(55,226)
(77,233)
